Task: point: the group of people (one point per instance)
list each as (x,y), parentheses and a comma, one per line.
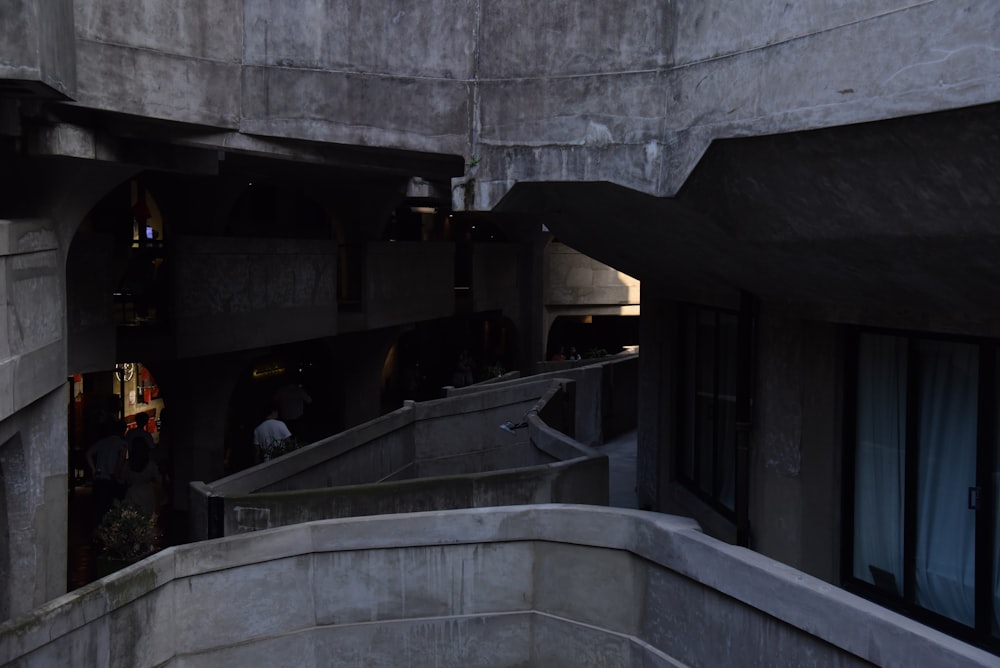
(562,355)
(123,467)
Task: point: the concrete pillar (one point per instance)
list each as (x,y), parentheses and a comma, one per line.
(196,395)
(657,398)
(33,468)
(531,319)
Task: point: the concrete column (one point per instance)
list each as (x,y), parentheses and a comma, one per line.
(776,512)
(33,471)
(657,398)
(531,320)
(196,394)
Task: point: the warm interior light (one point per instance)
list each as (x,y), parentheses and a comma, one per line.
(267,370)
(423,209)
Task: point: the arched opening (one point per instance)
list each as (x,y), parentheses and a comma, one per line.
(425,358)
(128,227)
(113,403)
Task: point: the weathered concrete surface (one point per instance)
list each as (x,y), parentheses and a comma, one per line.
(574,279)
(866,220)
(519,586)
(632,93)
(33,484)
(33,464)
(37,54)
(392,297)
(436,455)
(239,293)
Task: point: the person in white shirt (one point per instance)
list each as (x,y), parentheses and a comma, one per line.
(270,434)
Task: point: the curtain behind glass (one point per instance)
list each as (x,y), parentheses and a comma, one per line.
(726,409)
(945,532)
(879,462)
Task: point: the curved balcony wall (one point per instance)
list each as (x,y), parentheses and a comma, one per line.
(522,586)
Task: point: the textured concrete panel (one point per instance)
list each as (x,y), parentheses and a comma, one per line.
(594,111)
(143,632)
(553,39)
(592,586)
(227,293)
(271,598)
(37,55)
(557,643)
(205,30)
(293,649)
(408,282)
(365,110)
(471,642)
(719,604)
(437,582)
(34,321)
(155,84)
(402,37)
(716,28)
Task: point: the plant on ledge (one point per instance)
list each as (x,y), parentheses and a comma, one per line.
(278,448)
(126,533)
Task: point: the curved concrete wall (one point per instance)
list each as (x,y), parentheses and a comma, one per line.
(630,93)
(520,586)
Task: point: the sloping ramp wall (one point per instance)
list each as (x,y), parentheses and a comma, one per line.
(435,455)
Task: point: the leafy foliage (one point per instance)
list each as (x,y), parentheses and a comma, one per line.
(126,532)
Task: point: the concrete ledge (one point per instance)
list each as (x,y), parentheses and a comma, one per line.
(436,455)
(544,585)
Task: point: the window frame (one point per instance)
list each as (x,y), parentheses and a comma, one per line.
(981,633)
(686,415)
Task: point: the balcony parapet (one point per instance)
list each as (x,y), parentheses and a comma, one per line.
(543,585)
(441,454)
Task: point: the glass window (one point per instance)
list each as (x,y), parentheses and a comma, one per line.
(916,458)
(707,416)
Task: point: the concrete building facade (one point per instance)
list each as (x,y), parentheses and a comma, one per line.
(807,192)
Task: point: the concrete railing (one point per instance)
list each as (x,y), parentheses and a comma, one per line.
(434,455)
(541,585)
(607,394)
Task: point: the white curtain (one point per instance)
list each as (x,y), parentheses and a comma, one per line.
(879,460)
(945,531)
(947,409)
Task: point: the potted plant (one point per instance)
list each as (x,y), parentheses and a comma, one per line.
(127,535)
(277,448)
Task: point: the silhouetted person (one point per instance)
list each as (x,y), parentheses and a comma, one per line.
(462,375)
(106,459)
(139,434)
(140,477)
